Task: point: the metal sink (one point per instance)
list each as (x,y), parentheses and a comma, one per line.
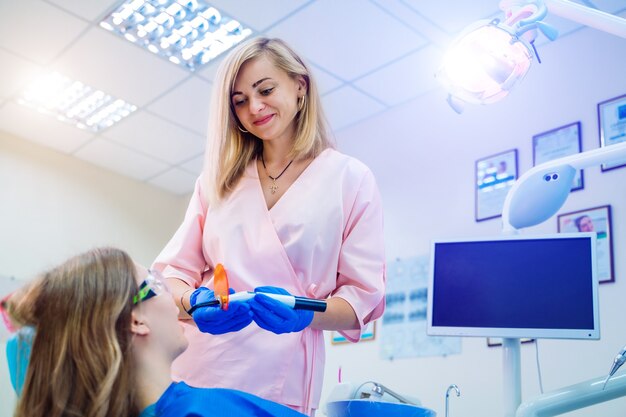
(369,408)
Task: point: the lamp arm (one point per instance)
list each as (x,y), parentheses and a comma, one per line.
(541,191)
(603,155)
(588,16)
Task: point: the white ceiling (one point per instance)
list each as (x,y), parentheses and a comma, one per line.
(368,56)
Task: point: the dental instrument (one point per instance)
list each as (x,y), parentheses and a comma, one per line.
(223,297)
(293,301)
(619,360)
(379,390)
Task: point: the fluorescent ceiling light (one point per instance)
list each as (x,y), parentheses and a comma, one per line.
(189,33)
(74,102)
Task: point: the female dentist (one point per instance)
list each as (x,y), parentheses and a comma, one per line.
(284,212)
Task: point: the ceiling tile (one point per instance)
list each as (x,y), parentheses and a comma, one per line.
(186,105)
(347,44)
(36,30)
(325,81)
(106,61)
(406,14)
(404,79)
(194,165)
(16,74)
(454,15)
(41,128)
(346,106)
(258,14)
(91,10)
(564,26)
(208,72)
(120,159)
(175,180)
(156,137)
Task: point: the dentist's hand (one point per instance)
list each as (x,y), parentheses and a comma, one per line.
(213,319)
(275,316)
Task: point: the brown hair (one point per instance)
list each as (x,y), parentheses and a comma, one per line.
(81,362)
(229,150)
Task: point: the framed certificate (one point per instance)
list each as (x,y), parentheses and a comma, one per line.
(612,126)
(494,178)
(596,219)
(557,143)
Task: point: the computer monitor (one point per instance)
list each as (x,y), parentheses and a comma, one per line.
(514,287)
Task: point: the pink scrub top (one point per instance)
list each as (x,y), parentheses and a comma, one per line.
(323,238)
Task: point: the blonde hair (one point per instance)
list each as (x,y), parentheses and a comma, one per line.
(229,150)
(81,362)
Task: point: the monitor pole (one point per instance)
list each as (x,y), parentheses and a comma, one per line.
(512,376)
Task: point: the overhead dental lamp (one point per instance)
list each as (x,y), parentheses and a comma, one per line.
(490,57)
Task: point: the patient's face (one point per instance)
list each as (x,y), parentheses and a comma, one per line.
(161,316)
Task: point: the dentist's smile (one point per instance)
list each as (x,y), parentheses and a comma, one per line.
(263,120)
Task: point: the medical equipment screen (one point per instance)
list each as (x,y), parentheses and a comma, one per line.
(515,286)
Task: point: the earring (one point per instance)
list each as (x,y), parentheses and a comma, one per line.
(302,103)
(242,130)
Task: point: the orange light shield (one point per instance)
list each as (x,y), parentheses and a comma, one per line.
(220,286)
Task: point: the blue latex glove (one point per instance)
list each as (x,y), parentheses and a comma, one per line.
(213,319)
(276,317)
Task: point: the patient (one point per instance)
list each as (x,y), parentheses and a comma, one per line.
(105,337)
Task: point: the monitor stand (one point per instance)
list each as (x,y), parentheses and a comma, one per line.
(512,376)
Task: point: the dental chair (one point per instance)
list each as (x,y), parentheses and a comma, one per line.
(18,354)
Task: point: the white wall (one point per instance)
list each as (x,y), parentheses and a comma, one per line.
(53,206)
(423,155)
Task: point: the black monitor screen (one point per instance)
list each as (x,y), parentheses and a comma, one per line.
(515,287)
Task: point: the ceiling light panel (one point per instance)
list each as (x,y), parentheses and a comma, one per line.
(189,33)
(74,102)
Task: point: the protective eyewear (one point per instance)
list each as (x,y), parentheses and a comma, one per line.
(153,285)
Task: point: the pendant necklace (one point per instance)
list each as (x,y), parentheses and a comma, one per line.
(274,186)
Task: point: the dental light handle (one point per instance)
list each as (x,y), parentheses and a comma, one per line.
(619,360)
(293,301)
